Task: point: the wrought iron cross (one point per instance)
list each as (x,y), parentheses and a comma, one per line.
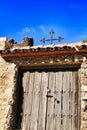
(51,39)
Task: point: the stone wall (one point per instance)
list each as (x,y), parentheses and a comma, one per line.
(8,73)
(7,85)
(83,79)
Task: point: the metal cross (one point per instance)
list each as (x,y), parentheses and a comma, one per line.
(51,39)
(51,33)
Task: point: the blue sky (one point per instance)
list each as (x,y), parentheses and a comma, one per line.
(35,18)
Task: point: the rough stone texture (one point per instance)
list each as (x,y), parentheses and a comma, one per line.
(7,74)
(2,42)
(83,76)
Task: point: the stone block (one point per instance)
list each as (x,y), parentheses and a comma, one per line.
(84,88)
(2,43)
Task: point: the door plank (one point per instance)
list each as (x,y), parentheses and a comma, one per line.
(74,101)
(25,90)
(30,99)
(58,87)
(67,103)
(65,99)
(70,100)
(35,102)
(43,101)
(50,109)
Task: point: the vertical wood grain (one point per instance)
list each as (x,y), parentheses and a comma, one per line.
(65,99)
(30,99)
(43,102)
(50,110)
(58,88)
(35,102)
(25,91)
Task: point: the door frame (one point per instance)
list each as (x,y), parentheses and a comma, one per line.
(19,90)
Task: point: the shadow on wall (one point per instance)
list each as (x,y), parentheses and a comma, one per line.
(18,101)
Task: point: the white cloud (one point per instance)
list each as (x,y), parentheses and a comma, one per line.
(42,27)
(39,29)
(26,30)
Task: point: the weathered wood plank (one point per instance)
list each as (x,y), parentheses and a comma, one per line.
(70,100)
(30,99)
(65,99)
(43,102)
(50,110)
(67,85)
(35,103)
(25,89)
(26,107)
(76,100)
(58,88)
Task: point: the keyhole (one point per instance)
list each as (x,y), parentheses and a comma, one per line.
(49,90)
(58,101)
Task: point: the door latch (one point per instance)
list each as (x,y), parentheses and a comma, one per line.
(49,95)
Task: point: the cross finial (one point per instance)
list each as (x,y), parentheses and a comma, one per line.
(51,33)
(52,39)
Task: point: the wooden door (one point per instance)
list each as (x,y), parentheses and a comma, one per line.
(50,100)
